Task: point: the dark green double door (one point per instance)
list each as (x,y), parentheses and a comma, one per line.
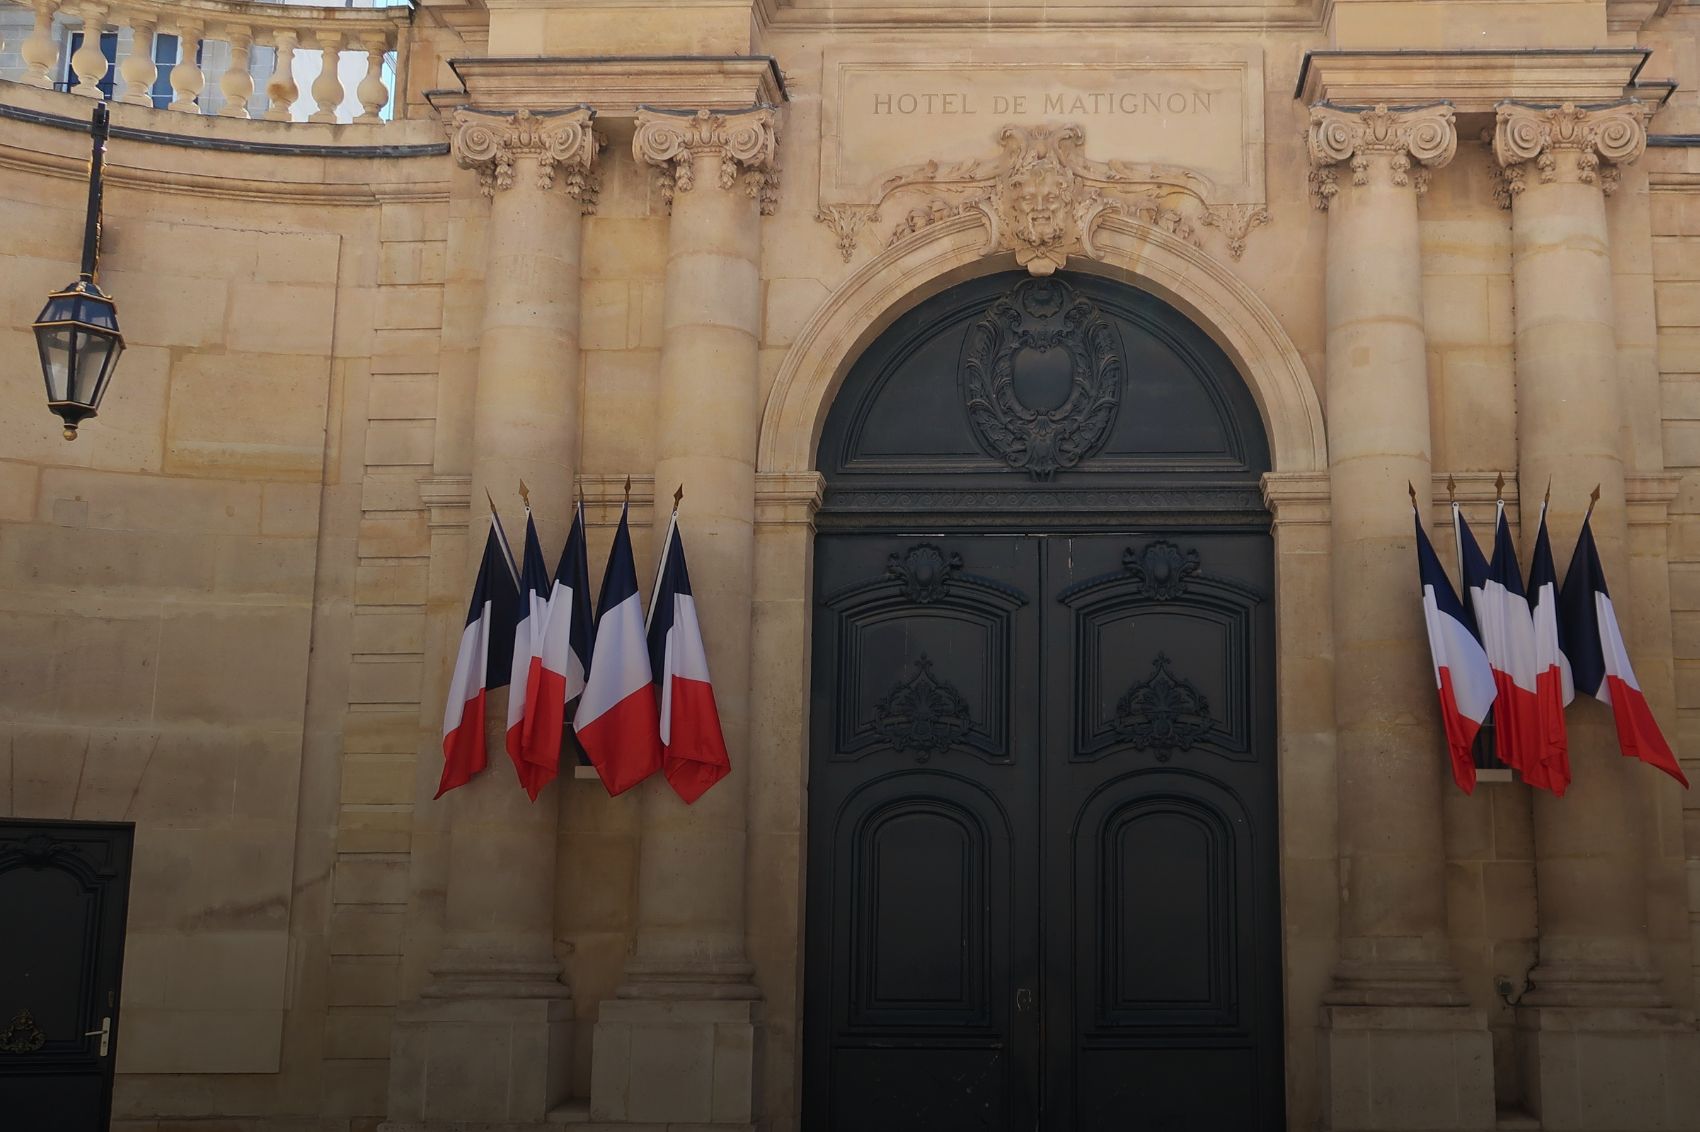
(1042,865)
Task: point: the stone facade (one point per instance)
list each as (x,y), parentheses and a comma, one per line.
(625,238)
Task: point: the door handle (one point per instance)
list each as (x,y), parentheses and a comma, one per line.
(1023,1000)
(105,1034)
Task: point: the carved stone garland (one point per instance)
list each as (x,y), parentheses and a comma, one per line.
(1163,713)
(1425,134)
(922,714)
(1019,334)
(491,141)
(1042,198)
(746,143)
(1616,133)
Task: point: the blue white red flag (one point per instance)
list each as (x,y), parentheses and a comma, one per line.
(560,655)
(533,770)
(1472,570)
(1462,675)
(1508,636)
(617,722)
(1553,688)
(1599,662)
(695,749)
(481,663)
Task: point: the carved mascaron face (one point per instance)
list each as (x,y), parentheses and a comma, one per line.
(1038,201)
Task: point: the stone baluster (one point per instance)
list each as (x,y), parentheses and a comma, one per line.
(237,84)
(1595,981)
(1397,1007)
(281,91)
(89,62)
(327,87)
(372,92)
(496,1018)
(138,69)
(689,984)
(186,77)
(40,51)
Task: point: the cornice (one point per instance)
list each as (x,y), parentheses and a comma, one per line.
(1472,81)
(617,86)
(1309,15)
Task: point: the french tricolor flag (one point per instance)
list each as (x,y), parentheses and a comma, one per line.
(1508,636)
(489,631)
(1599,663)
(1553,687)
(534,770)
(1462,674)
(560,656)
(617,722)
(694,747)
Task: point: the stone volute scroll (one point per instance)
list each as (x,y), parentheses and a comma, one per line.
(1042,198)
(563,143)
(1567,142)
(746,142)
(1403,144)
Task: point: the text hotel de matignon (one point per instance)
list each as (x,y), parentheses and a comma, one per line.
(1056,102)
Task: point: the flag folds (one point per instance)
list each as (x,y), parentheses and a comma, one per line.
(1508,636)
(488,634)
(1599,662)
(695,749)
(1462,675)
(560,657)
(1553,690)
(617,720)
(534,768)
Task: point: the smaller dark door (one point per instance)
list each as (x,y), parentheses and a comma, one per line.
(64,888)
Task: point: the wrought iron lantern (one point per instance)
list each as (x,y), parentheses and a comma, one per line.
(77,331)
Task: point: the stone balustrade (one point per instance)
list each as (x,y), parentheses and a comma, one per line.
(311,88)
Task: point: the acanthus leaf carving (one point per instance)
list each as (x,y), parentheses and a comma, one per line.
(1361,137)
(1043,199)
(925,571)
(1160,569)
(1022,328)
(564,143)
(1163,713)
(922,714)
(743,143)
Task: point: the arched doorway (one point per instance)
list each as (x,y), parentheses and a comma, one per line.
(1042,879)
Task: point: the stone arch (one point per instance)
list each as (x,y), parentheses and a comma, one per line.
(1195,283)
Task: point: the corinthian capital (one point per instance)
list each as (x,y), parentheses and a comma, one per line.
(1616,134)
(745,142)
(1424,134)
(563,140)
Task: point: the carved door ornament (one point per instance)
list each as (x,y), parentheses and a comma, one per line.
(1163,713)
(924,570)
(1160,569)
(922,714)
(1042,199)
(23,1035)
(1041,378)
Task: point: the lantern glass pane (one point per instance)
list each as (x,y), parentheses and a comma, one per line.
(55,344)
(90,362)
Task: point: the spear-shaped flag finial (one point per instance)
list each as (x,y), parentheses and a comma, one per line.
(1593,498)
(1410,487)
(1499,488)
(1547,498)
(628,489)
(678,496)
(525,494)
(1451,489)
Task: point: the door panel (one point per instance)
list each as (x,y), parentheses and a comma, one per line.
(1161,946)
(923,856)
(64,887)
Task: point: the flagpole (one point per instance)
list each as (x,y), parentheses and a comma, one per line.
(661,560)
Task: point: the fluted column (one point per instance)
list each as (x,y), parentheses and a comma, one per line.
(1558,166)
(496,1020)
(689,993)
(1396,991)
